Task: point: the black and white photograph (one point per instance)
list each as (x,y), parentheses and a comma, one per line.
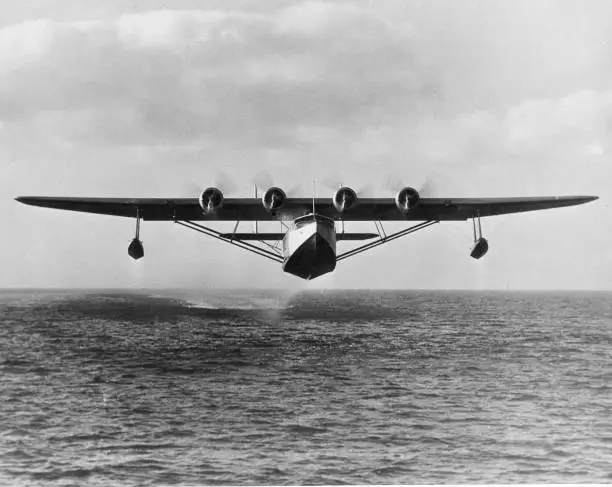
(305,242)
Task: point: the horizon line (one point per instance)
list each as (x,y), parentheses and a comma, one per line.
(284,290)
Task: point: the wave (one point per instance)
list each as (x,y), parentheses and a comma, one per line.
(229,300)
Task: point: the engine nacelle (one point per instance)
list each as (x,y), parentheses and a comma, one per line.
(136,249)
(344,198)
(480,248)
(273,199)
(406,199)
(211,200)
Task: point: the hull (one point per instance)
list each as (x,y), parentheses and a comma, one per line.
(309,249)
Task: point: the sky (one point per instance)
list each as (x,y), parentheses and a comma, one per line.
(162,99)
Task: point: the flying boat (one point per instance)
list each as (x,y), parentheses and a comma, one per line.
(306,244)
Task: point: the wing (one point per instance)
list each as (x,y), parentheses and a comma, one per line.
(455,209)
(249,209)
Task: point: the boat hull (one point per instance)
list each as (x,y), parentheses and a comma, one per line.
(310,249)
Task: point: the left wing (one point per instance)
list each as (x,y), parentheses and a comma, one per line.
(250,209)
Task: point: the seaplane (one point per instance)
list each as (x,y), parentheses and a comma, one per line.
(310,228)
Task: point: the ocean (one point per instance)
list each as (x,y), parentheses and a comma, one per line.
(265,387)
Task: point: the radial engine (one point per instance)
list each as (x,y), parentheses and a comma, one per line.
(344,198)
(211,200)
(406,199)
(273,199)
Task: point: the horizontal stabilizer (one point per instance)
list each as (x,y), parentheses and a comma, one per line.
(355,236)
(279,236)
(253,236)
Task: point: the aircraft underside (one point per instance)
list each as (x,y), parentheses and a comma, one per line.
(307,249)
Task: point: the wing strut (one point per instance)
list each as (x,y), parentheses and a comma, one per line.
(235,228)
(481,245)
(136,249)
(386,239)
(240,244)
(137,223)
(380,229)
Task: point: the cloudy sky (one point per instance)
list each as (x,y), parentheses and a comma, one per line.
(152,98)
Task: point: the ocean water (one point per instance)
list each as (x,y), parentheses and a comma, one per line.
(237,387)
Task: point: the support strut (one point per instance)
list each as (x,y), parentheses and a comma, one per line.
(380,229)
(481,245)
(237,243)
(136,249)
(137,225)
(477,217)
(235,229)
(386,239)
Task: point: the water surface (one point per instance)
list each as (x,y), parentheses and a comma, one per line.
(237,387)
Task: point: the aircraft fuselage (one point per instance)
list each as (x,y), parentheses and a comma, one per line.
(309,247)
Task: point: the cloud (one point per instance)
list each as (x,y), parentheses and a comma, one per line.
(174,77)
(569,126)
(574,127)
(363,83)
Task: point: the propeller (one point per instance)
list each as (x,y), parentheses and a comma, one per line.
(334,182)
(225,183)
(427,188)
(222,180)
(264,180)
(394,182)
